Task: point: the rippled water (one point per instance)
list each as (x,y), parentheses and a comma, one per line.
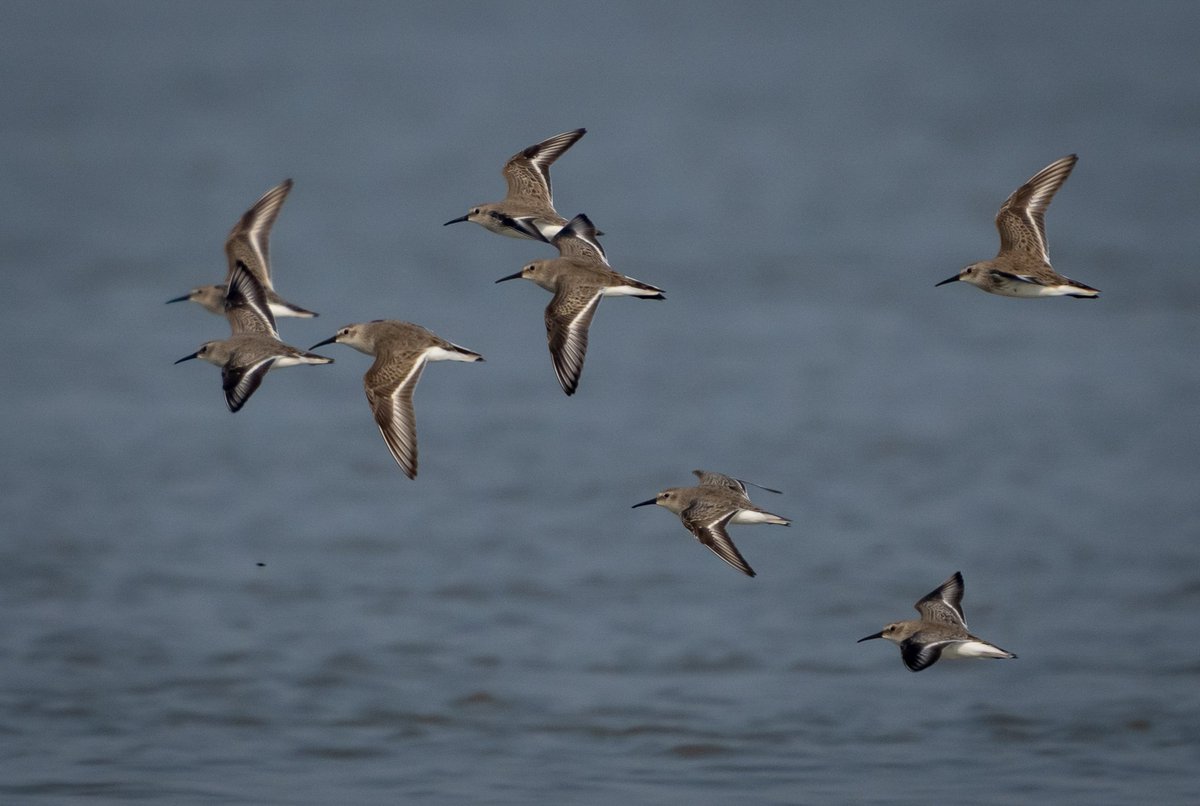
(199,607)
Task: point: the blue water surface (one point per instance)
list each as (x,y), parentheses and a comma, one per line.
(198,607)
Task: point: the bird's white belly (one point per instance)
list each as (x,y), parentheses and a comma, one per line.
(751,516)
(972,649)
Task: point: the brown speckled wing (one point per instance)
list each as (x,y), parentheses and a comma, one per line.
(1022,218)
(249,239)
(528,173)
(578,240)
(389,384)
(707,523)
(568,317)
(710,479)
(246,305)
(944,605)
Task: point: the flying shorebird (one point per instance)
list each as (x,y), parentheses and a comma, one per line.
(941,632)
(1022,267)
(254,348)
(401,350)
(709,507)
(528,208)
(578,278)
(248,243)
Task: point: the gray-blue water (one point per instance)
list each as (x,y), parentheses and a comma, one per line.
(505,628)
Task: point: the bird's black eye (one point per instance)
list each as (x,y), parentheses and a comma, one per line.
(475,211)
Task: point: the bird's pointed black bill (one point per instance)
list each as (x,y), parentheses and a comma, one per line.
(953,279)
(516,276)
(184,298)
(188,358)
(645,503)
(330,340)
(456,220)
(869,637)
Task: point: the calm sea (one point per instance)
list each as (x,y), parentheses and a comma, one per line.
(198,607)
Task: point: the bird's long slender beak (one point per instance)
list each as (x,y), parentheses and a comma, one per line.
(516,276)
(869,637)
(330,340)
(188,357)
(645,503)
(184,298)
(456,220)
(953,279)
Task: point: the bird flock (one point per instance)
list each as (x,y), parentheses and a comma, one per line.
(578,278)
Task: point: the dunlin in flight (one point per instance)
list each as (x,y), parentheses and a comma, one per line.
(709,507)
(528,209)
(401,350)
(941,632)
(254,348)
(578,278)
(248,243)
(1022,267)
